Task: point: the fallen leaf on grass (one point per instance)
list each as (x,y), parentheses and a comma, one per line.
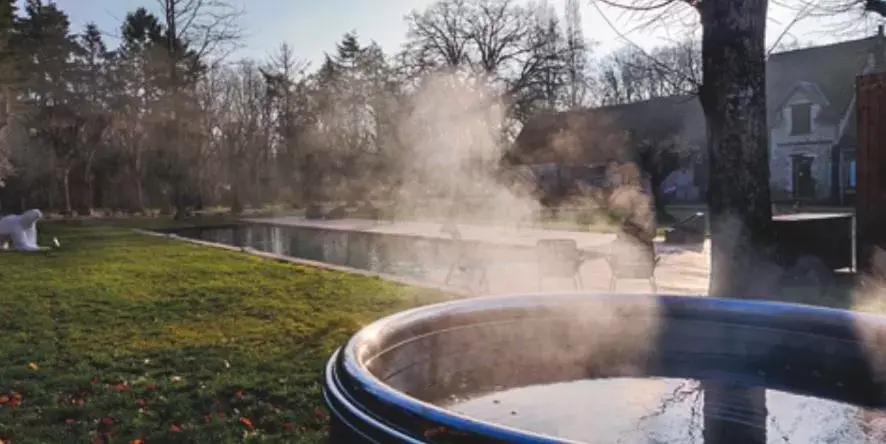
(137,441)
(16,399)
(175,428)
(108,421)
(141,402)
(246,423)
(152,387)
(70,421)
(103,438)
(288,426)
(76,399)
(33,366)
(320,413)
(121,387)
(13,401)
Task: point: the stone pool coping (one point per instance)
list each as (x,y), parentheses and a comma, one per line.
(309,263)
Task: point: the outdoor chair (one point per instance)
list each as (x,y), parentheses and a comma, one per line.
(688,231)
(339,212)
(369,211)
(389,213)
(467,261)
(528,221)
(561,259)
(314,212)
(630,258)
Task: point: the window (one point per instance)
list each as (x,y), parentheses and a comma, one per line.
(801,118)
(851,174)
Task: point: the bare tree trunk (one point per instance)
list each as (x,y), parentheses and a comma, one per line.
(89,205)
(733,96)
(88,202)
(140,196)
(66,188)
(139,188)
(236,200)
(308,177)
(50,191)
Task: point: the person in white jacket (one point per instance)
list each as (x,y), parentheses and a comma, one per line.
(22,230)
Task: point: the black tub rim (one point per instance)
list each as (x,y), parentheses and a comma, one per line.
(346,362)
(346,357)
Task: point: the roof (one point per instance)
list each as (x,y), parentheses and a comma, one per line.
(830,69)
(599,134)
(593,136)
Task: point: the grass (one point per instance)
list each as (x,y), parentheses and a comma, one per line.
(123,337)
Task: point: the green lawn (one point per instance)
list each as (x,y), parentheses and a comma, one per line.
(120,337)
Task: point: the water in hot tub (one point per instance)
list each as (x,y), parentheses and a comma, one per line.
(659,410)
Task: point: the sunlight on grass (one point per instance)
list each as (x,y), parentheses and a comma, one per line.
(125,336)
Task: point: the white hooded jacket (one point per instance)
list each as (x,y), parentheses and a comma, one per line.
(22,229)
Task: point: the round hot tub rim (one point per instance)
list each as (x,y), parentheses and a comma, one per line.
(359,398)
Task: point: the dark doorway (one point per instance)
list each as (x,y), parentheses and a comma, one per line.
(801,171)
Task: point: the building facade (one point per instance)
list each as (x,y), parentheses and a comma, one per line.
(811,115)
(812,107)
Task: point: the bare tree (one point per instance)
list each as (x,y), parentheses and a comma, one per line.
(501,44)
(195,30)
(547,86)
(438,37)
(241,127)
(630,74)
(7,68)
(289,98)
(576,57)
(6,139)
(210,27)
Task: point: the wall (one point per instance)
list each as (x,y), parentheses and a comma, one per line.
(817,144)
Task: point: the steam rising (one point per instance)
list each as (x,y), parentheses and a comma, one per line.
(455,145)
(449,172)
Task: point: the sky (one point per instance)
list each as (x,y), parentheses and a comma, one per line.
(312,27)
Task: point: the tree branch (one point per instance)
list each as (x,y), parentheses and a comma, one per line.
(631,43)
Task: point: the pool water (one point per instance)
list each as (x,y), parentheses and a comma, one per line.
(660,410)
(405,256)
